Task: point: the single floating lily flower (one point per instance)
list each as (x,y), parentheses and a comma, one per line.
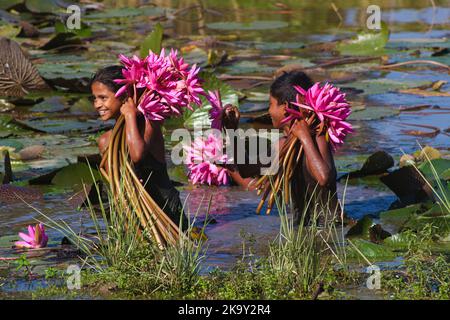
(36,237)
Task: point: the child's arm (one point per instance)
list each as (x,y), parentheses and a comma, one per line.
(319,159)
(138,140)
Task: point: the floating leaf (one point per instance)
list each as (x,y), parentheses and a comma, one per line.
(153,41)
(366,43)
(200,117)
(74,175)
(439,165)
(128,12)
(53,104)
(382,85)
(370,250)
(373,113)
(65,125)
(248,67)
(255,25)
(47,6)
(17,74)
(9,31)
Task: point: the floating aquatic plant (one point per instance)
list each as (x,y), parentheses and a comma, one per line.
(36,237)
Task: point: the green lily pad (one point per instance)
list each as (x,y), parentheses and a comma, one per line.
(65,125)
(53,104)
(247,26)
(7,242)
(381,85)
(398,217)
(366,43)
(12,143)
(200,117)
(373,113)
(127,12)
(248,67)
(153,41)
(373,252)
(6,4)
(47,6)
(74,175)
(9,31)
(8,126)
(441,167)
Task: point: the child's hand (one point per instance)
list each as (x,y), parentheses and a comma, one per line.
(128,108)
(300,129)
(230,117)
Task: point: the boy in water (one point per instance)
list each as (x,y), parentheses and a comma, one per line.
(314,178)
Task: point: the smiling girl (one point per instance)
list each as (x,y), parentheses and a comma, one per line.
(144,139)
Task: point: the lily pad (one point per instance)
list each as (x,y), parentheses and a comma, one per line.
(366,43)
(440,167)
(65,125)
(382,85)
(9,31)
(370,250)
(47,6)
(200,117)
(127,12)
(398,217)
(248,67)
(153,41)
(74,175)
(53,104)
(247,26)
(373,113)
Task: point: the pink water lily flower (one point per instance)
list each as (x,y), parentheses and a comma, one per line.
(36,237)
(202,159)
(215,114)
(170,85)
(330,107)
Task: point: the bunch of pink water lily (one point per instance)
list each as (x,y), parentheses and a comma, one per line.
(36,237)
(202,159)
(169,85)
(330,107)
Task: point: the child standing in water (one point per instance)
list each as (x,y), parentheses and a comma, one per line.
(314,178)
(144,139)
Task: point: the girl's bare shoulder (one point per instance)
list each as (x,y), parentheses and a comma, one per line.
(103,141)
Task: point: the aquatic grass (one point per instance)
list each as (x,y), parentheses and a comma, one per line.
(439,190)
(180,264)
(115,235)
(132,259)
(303,254)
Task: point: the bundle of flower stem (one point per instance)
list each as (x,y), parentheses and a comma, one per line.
(168,87)
(130,192)
(324,109)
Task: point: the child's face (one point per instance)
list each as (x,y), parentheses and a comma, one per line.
(277,112)
(106,104)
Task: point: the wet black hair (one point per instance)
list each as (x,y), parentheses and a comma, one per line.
(282,88)
(107,76)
